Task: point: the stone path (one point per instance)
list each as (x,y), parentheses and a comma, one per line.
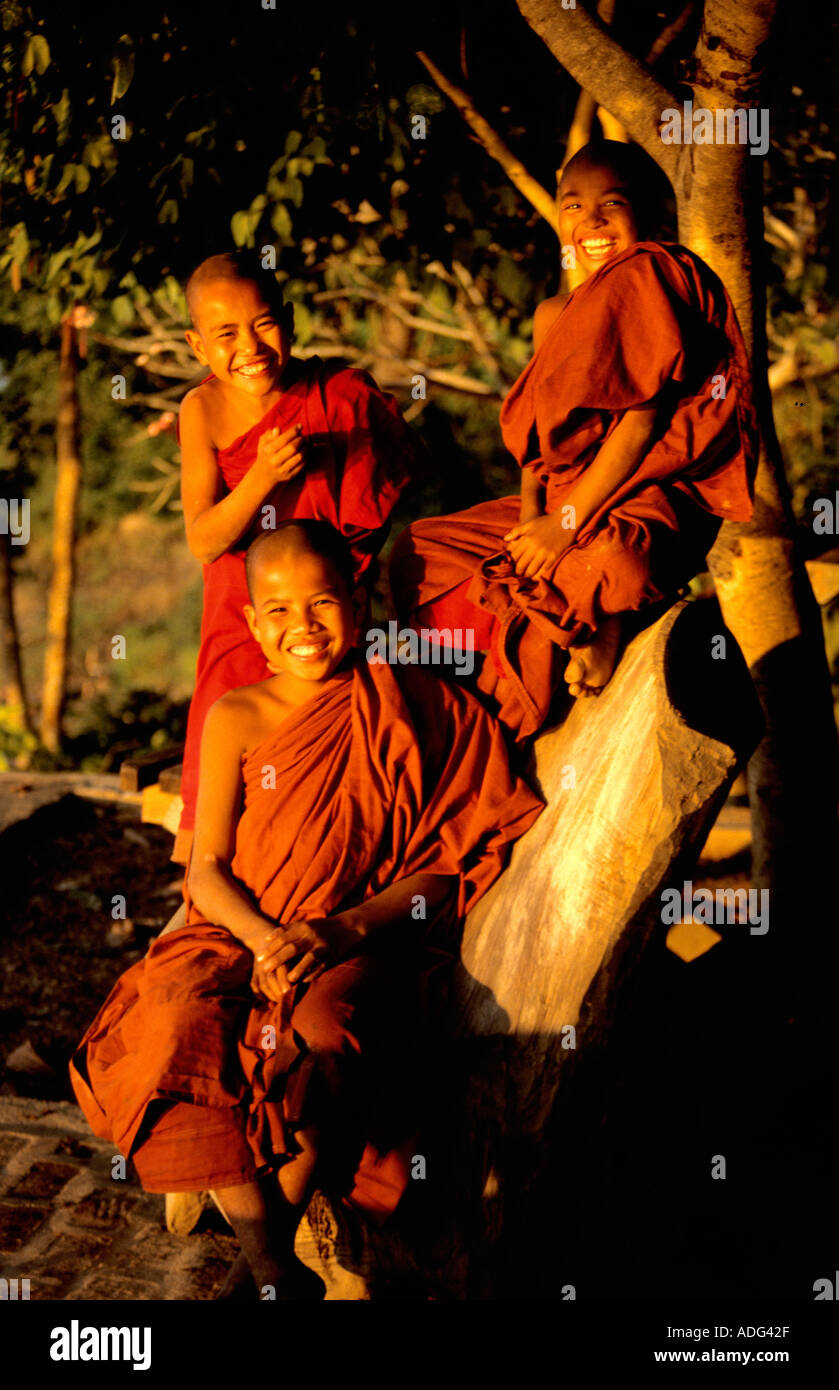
(76,1232)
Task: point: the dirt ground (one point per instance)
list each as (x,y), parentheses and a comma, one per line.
(62,950)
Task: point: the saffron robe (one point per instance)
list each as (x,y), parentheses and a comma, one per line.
(376,779)
(653,325)
(359,457)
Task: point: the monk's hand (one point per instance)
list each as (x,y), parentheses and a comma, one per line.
(305,944)
(535,546)
(272,983)
(279,457)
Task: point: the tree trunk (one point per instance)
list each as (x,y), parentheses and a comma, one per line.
(762,584)
(763,588)
(60,597)
(12,692)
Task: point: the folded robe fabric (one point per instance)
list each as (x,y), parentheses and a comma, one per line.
(375,779)
(654,325)
(359,457)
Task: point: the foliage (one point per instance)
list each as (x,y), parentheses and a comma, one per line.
(16,745)
(293,130)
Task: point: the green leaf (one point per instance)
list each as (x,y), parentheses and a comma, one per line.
(36,55)
(66,178)
(19,244)
(303,324)
(239,227)
(294,191)
(281,221)
(61,110)
(424,99)
(82,178)
(293,141)
(123,68)
(55,263)
(169,211)
(316,150)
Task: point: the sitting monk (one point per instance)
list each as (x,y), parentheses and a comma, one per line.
(265,438)
(634,430)
(348,816)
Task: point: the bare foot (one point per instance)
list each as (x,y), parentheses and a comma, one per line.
(590,667)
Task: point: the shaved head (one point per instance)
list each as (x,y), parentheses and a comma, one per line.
(232,265)
(642,180)
(302,537)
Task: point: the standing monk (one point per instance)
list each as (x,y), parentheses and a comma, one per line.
(634,430)
(263,439)
(348,816)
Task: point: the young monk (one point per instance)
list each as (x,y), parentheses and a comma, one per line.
(264,438)
(348,815)
(634,430)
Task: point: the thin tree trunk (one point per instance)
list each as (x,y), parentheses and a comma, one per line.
(67,485)
(762,584)
(12,692)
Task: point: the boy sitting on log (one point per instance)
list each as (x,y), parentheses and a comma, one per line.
(348,815)
(634,430)
(265,438)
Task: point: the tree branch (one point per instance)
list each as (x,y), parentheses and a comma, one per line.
(614,78)
(528,186)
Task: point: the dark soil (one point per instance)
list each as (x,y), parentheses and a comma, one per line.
(64,865)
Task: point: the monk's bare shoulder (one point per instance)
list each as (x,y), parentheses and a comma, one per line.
(242,718)
(546,316)
(200,410)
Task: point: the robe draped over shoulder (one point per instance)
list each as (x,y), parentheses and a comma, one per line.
(374,780)
(359,457)
(653,326)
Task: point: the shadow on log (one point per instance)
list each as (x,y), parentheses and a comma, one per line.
(633,781)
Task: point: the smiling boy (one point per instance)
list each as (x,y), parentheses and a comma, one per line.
(264,438)
(349,815)
(635,433)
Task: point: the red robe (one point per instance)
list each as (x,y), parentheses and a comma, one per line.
(654,320)
(359,457)
(376,779)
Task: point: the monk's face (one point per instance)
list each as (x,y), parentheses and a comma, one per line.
(595,215)
(245,341)
(302,616)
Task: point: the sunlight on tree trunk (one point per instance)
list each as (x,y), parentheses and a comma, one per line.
(12,691)
(67,485)
(764,592)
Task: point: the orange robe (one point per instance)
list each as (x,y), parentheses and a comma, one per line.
(654,324)
(360,455)
(376,779)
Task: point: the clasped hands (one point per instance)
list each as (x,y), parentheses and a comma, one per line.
(298,953)
(536,545)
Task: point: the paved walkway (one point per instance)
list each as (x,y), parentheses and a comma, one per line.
(76,1232)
